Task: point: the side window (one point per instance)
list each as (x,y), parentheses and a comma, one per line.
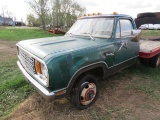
(126,27)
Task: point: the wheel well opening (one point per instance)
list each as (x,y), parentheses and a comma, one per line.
(97,72)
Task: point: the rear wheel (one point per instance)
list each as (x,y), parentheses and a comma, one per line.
(85,92)
(155,61)
(144,61)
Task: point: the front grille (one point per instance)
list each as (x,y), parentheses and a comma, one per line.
(27,61)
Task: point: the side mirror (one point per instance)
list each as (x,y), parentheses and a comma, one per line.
(136,35)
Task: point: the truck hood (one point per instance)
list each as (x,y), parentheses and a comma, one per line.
(55,45)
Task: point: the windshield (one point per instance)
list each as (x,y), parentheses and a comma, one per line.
(96,27)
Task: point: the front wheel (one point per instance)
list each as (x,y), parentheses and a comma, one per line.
(85,93)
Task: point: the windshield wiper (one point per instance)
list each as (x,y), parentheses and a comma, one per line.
(89,34)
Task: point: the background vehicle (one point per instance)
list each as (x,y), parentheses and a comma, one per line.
(150,27)
(157,26)
(144,27)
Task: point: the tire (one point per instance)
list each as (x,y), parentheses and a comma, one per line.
(85,92)
(155,61)
(143,15)
(144,61)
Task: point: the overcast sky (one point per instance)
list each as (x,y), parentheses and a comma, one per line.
(20,9)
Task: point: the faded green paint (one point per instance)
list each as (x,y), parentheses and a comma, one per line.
(66,55)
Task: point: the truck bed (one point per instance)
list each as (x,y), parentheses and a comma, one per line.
(149,48)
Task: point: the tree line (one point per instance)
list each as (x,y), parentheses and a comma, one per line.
(55,13)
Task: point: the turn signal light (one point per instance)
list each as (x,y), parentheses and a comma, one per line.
(98,13)
(60,92)
(114,13)
(93,14)
(38,67)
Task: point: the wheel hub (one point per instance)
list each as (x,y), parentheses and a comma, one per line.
(88,93)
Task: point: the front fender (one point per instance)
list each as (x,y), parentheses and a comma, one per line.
(85,69)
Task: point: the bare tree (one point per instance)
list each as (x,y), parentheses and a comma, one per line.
(56,13)
(6,12)
(9,14)
(2,11)
(40,8)
(65,12)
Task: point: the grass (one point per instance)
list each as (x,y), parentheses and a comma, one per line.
(17,34)
(14,90)
(149,82)
(150,34)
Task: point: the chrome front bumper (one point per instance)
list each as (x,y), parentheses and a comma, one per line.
(41,90)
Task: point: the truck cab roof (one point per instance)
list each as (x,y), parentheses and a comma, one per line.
(105,15)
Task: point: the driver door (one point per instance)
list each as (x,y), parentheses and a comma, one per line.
(124,47)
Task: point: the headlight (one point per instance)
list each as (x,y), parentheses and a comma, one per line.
(42,72)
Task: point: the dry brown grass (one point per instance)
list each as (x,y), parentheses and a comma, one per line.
(7,50)
(118,102)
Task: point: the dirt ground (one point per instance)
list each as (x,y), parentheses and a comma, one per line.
(117,102)
(7,50)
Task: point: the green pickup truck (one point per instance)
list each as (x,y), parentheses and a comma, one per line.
(71,66)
